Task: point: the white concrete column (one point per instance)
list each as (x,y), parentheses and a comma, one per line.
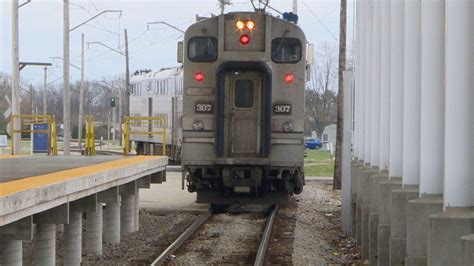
(11,253)
(375,75)
(346,156)
(397,43)
(45,244)
(459,140)
(412,93)
(361,88)
(127,214)
(432,97)
(368,82)
(73,239)
(112,223)
(384,146)
(356,87)
(94,226)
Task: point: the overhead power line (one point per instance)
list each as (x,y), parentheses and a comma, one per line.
(319,20)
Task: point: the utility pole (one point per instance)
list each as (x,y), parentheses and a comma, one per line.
(66,96)
(340,95)
(127,79)
(108,126)
(81,97)
(15,76)
(120,113)
(31,99)
(222,4)
(127,74)
(295,7)
(114,114)
(45,91)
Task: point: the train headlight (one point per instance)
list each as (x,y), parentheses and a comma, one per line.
(288,127)
(198,125)
(240,25)
(250,25)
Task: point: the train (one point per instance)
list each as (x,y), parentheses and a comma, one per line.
(244,76)
(157,94)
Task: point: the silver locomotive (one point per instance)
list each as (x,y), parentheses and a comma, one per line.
(243,108)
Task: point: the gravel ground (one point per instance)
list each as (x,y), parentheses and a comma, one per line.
(226,238)
(318,236)
(157,231)
(306,233)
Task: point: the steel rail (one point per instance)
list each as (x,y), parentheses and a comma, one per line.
(262,248)
(182,238)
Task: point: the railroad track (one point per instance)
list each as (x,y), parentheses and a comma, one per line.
(190,231)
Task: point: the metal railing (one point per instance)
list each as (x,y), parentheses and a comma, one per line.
(158,121)
(29,120)
(90,136)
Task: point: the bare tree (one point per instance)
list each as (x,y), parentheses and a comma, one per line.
(320,101)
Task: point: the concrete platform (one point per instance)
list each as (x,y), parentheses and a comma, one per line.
(169,196)
(8,156)
(34,184)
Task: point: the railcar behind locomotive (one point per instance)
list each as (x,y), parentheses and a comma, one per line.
(243,108)
(157,94)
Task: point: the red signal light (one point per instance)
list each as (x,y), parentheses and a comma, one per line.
(199,76)
(289,78)
(244,39)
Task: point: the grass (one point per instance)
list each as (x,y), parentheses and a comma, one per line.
(318,163)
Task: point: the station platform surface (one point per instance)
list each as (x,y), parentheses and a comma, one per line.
(32,184)
(8,156)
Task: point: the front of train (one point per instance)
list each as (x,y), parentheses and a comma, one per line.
(243,109)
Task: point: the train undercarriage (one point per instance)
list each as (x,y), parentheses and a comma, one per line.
(244,184)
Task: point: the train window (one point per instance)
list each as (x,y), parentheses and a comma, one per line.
(286,50)
(243,93)
(202,49)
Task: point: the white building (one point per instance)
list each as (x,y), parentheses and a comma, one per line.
(329,136)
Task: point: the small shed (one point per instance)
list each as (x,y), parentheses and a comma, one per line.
(329,136)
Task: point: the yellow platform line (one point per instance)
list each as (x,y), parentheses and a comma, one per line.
(32,182)
(9,156)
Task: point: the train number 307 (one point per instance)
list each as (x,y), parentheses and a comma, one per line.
(282,108)
(204,108)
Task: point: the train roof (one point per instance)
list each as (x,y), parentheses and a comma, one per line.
(164,73)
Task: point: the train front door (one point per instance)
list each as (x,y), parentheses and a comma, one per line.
(243,112)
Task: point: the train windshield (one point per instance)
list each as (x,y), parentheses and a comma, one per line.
(286,50)
(202,49)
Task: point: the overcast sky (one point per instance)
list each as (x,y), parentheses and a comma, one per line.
(41,32)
